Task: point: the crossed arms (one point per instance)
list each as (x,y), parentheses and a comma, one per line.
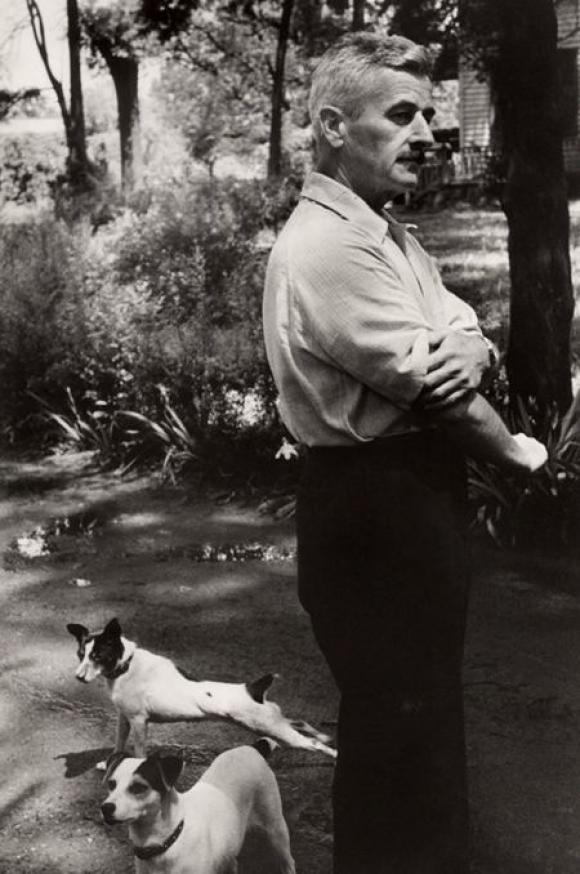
(421,352)
(455,365)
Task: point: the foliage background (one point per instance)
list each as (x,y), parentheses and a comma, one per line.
(131,320)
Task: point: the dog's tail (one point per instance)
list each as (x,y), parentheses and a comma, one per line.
(265,746)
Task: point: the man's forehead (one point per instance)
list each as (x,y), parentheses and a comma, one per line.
(400,86)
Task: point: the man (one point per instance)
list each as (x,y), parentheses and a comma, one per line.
(377,367)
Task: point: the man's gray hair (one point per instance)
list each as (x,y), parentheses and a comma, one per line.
(346,72)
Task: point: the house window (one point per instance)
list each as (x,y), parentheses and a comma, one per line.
(568,76)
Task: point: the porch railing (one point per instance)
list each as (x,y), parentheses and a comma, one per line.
(444,168)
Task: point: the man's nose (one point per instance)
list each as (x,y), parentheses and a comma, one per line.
(421,132)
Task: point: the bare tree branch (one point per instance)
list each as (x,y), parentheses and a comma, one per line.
(39,34)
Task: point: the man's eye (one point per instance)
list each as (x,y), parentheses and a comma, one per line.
(402,117)
(137,789)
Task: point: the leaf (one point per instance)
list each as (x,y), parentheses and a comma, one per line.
(524,417)
(69,429)
(571,421)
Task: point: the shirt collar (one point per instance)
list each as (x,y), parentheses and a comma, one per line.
(340,199)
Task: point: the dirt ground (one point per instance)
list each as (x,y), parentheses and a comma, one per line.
(133,553)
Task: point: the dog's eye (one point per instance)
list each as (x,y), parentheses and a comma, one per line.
(137,789)
(111,784)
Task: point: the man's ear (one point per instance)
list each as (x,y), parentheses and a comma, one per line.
(332,125)
(112,628)
(78,631)
(113,763)
(161,771)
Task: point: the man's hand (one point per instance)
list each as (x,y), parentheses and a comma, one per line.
(455,366)
(531,455)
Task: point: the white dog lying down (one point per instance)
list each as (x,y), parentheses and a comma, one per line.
(200,831)
(146,687)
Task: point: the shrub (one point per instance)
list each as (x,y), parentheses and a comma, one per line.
(29,166)
(539,510)
(33,279)
(99,319)
(195,257)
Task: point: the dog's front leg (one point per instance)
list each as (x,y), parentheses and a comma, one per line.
(123,729)
(278,837)
(139,730)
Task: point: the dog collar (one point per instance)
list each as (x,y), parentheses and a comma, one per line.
(120,670)
(157,849)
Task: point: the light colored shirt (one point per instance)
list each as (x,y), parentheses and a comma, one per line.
(350,299)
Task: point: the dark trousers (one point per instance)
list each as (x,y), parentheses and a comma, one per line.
(382,571)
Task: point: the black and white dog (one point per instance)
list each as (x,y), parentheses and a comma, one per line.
(203,830)
(145,687)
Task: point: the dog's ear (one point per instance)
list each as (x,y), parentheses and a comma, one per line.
(112,628)
(171,767)
(161,771)
(78,631)
(113,763)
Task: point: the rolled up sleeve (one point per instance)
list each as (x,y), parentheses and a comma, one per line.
(364,318)
(459,315)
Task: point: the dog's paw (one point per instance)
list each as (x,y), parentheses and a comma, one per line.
(101,766)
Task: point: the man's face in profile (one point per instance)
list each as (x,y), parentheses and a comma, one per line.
(383,146)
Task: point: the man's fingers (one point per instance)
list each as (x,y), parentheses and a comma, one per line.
(444,376)
(434,404)
(436,338)
(436,378)
(437,359)
(446,391)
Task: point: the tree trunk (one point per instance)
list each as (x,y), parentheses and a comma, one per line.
(526,86)
(358,14)
(77,158)
(277,103)
(124,71)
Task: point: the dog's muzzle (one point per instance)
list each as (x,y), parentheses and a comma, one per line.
(108,812)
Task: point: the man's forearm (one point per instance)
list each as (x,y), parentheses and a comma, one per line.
(476,427)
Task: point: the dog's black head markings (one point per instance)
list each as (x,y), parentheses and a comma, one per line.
(137,787)
(160,771)
(99,652)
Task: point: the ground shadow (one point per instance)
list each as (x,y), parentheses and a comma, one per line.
(83,761)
